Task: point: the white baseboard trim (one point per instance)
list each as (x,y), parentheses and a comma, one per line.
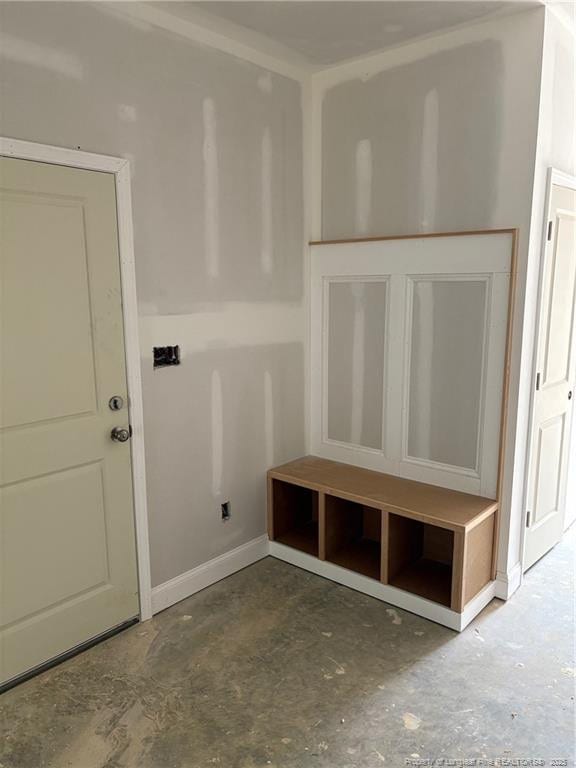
(181,587)
(477,604)
(508,583)
(413,603)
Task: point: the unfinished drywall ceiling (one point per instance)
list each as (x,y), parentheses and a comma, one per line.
(215,150)
(329,32)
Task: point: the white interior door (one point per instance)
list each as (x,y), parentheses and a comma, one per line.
(555,381)
(407,356)
(67,548)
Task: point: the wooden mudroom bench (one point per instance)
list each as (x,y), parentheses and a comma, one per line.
(425,548)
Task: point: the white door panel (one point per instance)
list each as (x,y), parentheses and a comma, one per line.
(556,375)
(547,492)
(76,500)
(557,344)
(67,389)
(67,548)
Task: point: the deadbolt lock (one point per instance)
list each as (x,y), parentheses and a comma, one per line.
(116,403)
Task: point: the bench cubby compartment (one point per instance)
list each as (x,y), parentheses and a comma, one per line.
(353,536)
(294,516)
(420,558)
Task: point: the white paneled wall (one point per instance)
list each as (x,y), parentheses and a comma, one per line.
(408,352)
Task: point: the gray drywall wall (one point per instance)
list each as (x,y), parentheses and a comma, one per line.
(215,148)
(438,118)
(246,416)
(441,143)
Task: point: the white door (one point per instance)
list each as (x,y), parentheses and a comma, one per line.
(555,379)
(67,547)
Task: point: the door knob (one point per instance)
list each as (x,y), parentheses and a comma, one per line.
(570,395)
(120,434)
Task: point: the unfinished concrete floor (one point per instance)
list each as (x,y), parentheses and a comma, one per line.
(277,667)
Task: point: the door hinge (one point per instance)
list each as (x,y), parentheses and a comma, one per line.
(528,518)
(537,381)
(549,230)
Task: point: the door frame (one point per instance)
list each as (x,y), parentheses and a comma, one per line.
(559,178)
(120,168)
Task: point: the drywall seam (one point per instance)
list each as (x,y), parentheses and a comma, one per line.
(363,186)
(423,380)
(217,421)
(269,419)
(186,584)
(225,36)
(266,186)
(358,363)
(429,161)
(232,325)
(41,56)
(313,97)
(211,191)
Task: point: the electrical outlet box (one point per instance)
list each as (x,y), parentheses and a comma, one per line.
(225,510)
(164,356)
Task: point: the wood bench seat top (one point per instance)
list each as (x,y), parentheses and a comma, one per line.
(428,503)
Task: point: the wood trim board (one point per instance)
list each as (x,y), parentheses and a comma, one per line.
(505,396)
(418,236)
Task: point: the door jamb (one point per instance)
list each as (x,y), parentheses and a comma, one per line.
(120,167)
(561,179)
